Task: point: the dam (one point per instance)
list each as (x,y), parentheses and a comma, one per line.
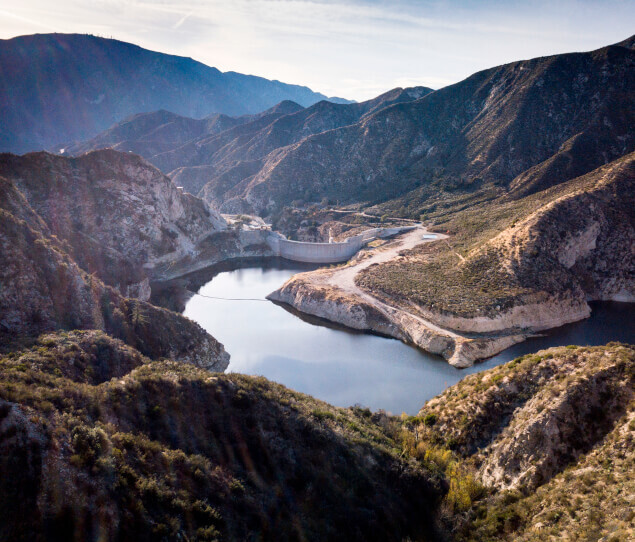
(326,253)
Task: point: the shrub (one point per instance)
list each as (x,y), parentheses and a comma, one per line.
(430,419)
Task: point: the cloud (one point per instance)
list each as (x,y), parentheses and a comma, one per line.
(26,20)
(182,20)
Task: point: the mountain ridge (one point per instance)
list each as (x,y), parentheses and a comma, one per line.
(489,128)
(66,87)
(217,155)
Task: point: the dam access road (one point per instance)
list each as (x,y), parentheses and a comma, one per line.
(344,278)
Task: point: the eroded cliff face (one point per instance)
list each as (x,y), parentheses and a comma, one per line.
(42,289)
(364,314)
(524,422)
(119,216)
(582,242)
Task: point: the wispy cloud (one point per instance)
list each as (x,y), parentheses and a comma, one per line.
(182,20)
(4,14)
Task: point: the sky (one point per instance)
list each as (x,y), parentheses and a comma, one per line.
(355,49)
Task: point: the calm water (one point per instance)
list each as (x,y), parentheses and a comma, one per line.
(346,368)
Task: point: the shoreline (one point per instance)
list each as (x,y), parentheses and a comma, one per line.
(332,294)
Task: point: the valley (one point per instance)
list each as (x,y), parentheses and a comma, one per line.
(235,309)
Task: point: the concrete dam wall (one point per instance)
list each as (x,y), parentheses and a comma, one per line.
(302,251)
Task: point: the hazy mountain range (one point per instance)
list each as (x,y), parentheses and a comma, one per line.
(221,151)
(65,87)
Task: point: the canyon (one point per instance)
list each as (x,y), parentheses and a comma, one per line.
(461,221)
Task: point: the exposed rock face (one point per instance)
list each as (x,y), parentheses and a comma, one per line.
(524,422)
(120,216)
(302,293)
(42,288)
(577,247)
(546,433)
(67,87)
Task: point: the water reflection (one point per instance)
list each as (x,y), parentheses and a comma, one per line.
(345,368)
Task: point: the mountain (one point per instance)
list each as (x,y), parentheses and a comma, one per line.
(82,238)
(118,216)
(43,289)
(522,127)
(195,153)
(67,87)
(149,134)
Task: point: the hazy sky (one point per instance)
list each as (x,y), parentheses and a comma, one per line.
(355,49)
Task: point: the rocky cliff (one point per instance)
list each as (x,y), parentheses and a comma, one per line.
(119,216)
(43,289)
(58,243)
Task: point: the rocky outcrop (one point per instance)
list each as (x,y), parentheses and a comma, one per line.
(42,289)
(557,425)
(524,422)
(119,216)
(364,314)
(581,242)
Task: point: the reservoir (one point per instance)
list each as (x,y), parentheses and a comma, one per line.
(344,367)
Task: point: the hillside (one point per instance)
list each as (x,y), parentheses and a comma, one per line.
(220,152)
(119,216)
(59,88)
(99,439)
(522,127)
(43,289)
(551,435)
(150,134)
(103,444)
(511,267)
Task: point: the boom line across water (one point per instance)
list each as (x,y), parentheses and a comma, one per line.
(229,298)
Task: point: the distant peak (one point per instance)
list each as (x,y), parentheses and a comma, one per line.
(287,105)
